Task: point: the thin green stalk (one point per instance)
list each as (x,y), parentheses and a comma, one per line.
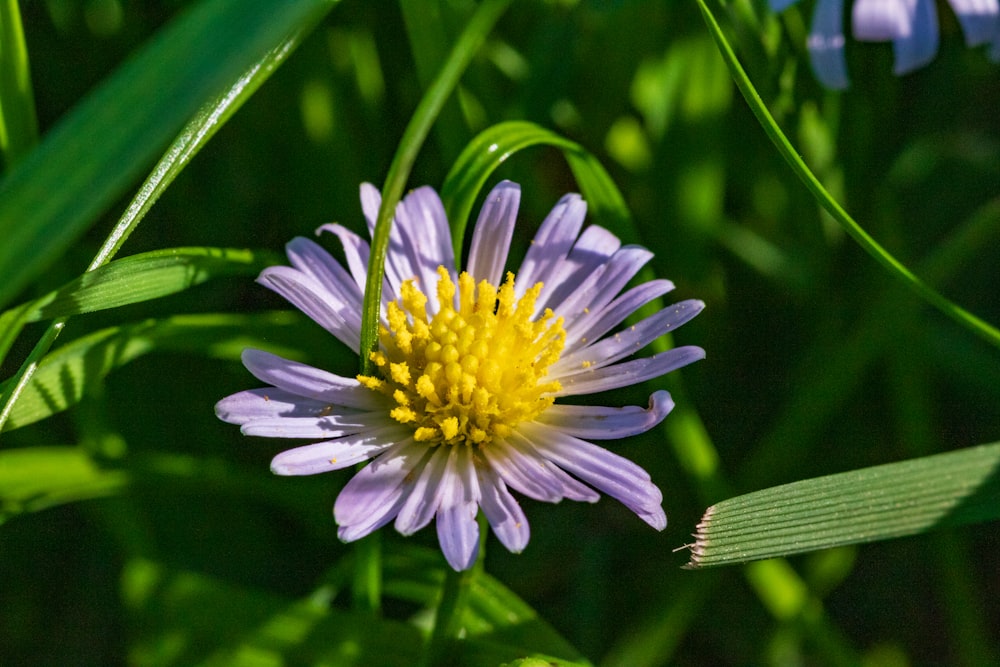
(366,585)
(18,122)
(367,582)
(416,132)
(454,594)
(788,152)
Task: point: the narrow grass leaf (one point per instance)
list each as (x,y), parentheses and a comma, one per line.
(866,505)
(35,478)
(18,122)
(494,145)
(206,121)
(187,618)
(67,374)
(146,276)
(826,200)
(99,148)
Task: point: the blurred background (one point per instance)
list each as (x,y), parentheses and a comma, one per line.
(818,361)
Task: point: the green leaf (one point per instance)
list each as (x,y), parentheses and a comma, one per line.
(68,373)
(184,618)
(145,276)
(866,505)
(100,147)
(896,268)
(132,280)
(498,626)
(18,123)
(494,145)
(187,618)
(35,478)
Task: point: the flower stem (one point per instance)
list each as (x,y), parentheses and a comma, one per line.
(366,587)
(454,595)
(468,43)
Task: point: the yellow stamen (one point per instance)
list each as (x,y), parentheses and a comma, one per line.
(474,370)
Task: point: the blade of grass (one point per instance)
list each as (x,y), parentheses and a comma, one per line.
(18,122)
(877,503)
(100,147)
(202,127)
(896,268)
(65,375)
(494,145)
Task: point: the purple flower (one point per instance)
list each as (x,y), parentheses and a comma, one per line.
(462,408)
(911,26)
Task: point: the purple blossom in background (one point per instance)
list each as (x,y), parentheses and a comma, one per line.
(911,26)
(462,408)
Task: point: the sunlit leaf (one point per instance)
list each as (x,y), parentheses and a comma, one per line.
(498,626)
(104,143)
(866,505)
(18,124)
(35,478)
(142,277)
(68,373)
(187,618)
(493,146)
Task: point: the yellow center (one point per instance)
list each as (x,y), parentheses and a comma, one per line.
(471,372)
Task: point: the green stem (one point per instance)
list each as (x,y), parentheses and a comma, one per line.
(853,229)
(366,587)
(454,594)
(427,111)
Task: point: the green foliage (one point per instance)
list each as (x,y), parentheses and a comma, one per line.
(867,505)
(138,529)
(89,159)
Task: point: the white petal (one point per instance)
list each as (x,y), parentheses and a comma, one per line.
(340,317)
(310,258)
(606,471)
(371,199)
(397,264)
(494,229)
(626,342)
(826,44)
(603,284)
(503,512)
(528,472)
(267,403)
(880,20)
(603,423)
(374,495)
(599,321)
(338,453)
(425,496)
(629,372)
(552,243)
(424,239)
(980,19)
(419,240)
(330,426)
(595,246)
(305,380)
(457,528)
(355,251)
